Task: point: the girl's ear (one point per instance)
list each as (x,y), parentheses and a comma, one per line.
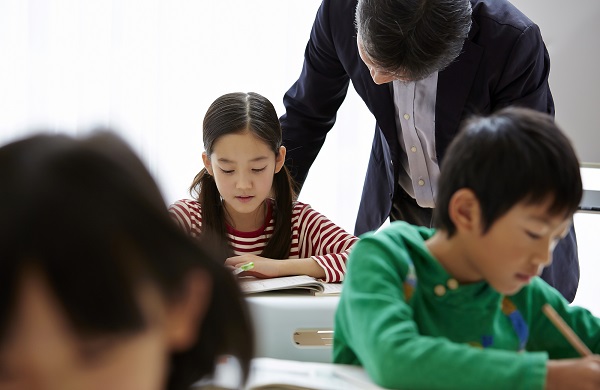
(207,163)
(187,311)
(280,159)
(465,211)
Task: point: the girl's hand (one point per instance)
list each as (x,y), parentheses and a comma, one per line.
(263,267)
(574,374)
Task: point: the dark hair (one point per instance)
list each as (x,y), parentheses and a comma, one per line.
(90,217)
(514,155)
(413,37)
(236,113)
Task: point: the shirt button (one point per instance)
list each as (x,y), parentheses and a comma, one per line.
(413,149)
(439,290)
(406,116)
(452,284)
(421,182)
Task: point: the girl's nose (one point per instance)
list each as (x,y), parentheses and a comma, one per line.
(244,182)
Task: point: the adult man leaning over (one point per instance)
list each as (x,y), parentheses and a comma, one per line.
(421,67)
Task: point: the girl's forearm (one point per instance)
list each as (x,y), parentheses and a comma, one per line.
(307,266)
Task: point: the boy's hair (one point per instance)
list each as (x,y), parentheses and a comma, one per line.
(88,215)
(236,113)
(515,155)
(414,38)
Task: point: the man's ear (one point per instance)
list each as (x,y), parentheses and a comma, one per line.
(186,313)
(207,163)
(280,159)
(465,211)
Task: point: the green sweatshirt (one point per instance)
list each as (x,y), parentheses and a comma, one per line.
(410,324)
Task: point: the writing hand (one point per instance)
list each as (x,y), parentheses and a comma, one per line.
(263,267)
(574,374)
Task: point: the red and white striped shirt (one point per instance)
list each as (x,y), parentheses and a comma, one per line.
(313,235)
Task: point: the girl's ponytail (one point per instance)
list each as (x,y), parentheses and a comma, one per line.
(204,190)
(280,242)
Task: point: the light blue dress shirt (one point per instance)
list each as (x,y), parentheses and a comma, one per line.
(415,122)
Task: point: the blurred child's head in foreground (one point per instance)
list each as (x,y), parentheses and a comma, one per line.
(98,287)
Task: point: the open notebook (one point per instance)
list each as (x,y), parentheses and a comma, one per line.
(252,285)
(280,374)
(271,374)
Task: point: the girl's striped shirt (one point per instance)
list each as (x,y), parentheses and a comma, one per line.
(313,235)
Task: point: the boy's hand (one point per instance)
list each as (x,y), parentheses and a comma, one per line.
(263,267)
(574,374)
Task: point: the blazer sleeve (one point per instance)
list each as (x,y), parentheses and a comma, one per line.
(313,100)
(524,80)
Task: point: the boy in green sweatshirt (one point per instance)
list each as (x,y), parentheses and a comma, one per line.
(459,306)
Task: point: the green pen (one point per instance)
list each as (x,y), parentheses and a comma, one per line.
(243,267)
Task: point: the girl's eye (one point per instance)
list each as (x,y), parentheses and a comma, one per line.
(532,235)
(226,171)
(258,170)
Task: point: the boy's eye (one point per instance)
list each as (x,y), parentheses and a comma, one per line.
(533,235)
(258,169)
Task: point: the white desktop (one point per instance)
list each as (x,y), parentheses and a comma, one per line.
(293,326)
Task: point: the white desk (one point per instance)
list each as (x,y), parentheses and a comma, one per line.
(293,326)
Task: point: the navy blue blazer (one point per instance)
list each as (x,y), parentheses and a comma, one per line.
(504,62)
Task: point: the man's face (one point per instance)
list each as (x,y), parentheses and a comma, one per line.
(379,75)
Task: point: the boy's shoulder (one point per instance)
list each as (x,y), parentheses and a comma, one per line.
(400,243)
(401,232)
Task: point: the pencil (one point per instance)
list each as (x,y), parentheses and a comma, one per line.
(562,326)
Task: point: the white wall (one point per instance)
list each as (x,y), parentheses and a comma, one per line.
(587,225)
(150,69)
(571,31)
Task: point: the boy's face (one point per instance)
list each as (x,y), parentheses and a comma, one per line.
(517,246)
